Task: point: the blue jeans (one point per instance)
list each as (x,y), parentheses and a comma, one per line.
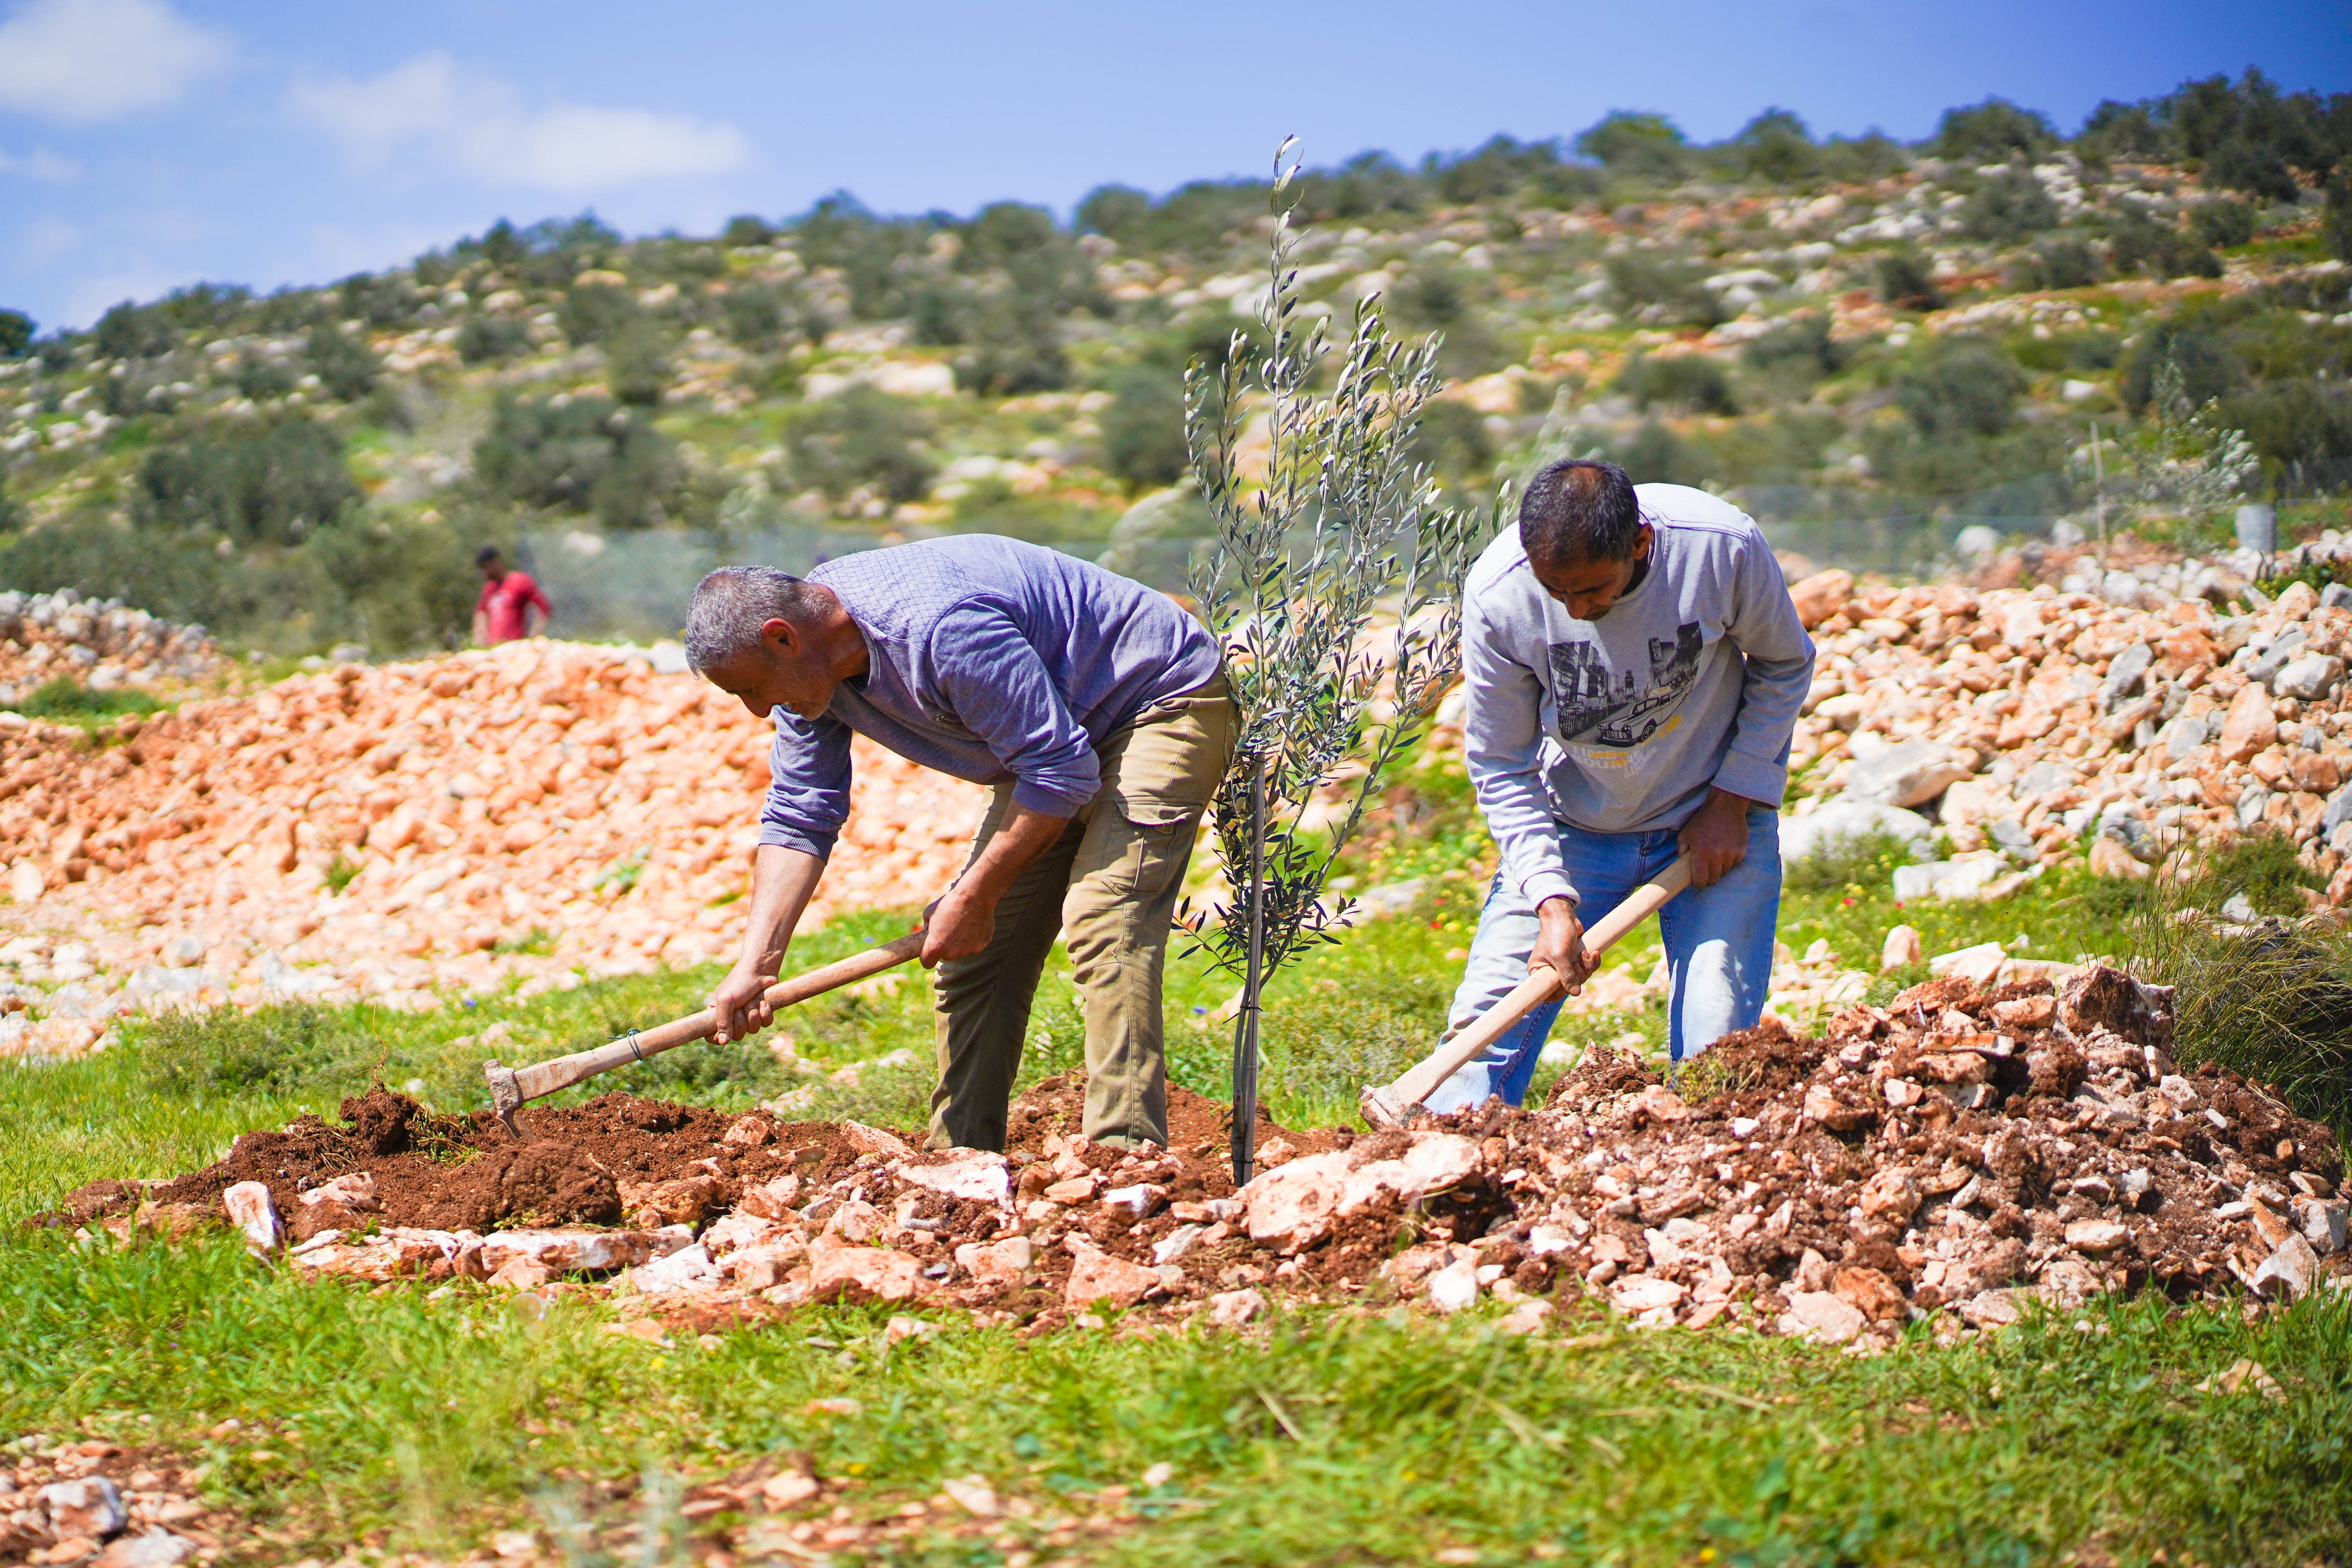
(1718,943)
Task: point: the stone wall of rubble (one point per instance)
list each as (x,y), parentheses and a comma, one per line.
(380,831)
(97,643)
(2017,719)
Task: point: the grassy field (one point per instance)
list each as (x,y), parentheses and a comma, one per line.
(1331,1437)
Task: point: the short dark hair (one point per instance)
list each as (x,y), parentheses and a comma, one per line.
(1580,510)
(487,553)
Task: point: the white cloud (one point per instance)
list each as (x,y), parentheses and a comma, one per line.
(40,164)
(78,62)
(477,125)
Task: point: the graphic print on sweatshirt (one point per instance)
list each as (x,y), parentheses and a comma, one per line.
(1599,707)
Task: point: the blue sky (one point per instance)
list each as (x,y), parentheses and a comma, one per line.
(149,143)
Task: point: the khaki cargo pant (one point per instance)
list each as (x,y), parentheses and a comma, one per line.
(1109,883)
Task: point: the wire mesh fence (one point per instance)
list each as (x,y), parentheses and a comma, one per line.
(634,587)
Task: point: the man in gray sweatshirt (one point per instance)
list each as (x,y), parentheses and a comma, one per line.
(1634,669)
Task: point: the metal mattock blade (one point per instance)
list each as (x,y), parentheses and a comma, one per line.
(1380,1108)
(506,1093)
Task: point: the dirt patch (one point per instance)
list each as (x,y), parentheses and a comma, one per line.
(1958,1147)
(468,1173)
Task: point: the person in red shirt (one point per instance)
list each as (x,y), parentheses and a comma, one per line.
(511,605)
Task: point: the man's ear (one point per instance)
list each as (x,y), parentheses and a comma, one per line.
(779,637)
(1641,542)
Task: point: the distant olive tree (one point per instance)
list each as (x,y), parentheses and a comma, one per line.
(2184,463)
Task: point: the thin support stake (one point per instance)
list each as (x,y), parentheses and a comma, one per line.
(2099,493)
(1245,1025)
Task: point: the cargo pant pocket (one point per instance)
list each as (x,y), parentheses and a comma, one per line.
(1151,843)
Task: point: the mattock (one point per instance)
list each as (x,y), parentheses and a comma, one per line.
(513,1088)
(1391,1105)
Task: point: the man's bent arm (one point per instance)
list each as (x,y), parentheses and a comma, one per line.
(1778,673)
(1503,737)
(782,881)
(962,922)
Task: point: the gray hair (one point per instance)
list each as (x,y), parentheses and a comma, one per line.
(733,603)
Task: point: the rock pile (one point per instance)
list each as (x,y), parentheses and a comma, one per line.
(98,643)
(2024,719)
(1963,1148)
(381,831)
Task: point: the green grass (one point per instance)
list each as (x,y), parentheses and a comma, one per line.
(1335,1437)
(63,700)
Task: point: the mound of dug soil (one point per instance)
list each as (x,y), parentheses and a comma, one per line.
(1959,1149)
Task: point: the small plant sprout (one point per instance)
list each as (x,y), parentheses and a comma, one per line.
(1339,519)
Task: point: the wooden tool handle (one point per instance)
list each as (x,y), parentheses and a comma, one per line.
(543,1079)
(1421,1080)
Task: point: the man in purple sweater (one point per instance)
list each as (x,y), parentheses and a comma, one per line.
(1096,707)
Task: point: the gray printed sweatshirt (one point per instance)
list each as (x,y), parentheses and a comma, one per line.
(1621,724)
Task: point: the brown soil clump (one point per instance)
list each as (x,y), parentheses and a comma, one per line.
(468,1173)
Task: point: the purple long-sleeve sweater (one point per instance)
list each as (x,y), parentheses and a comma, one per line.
(988,659)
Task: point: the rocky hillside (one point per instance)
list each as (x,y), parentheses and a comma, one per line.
(1873,346)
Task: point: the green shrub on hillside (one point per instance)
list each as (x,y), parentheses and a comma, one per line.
(1502,169)
(398,585)
(385,300)
(1774,148)
(591,313)
(1691,382)
(2301,430)
(265,483)
(344,366)
(1453,440)
(859,439)
(1654,455)
(2223,224)
(1961,387)
(2059,262)
(1648,148)
(1663,290)
(261,378)
(761,317)
(1907,281)
(2209,365)
(1993,131)
(133,331)
(2008,208)
(63,697)
(1143,429)
(638,365)
(486,338)
(15,334)
(2138,242)
(582,454)
(1795,354)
